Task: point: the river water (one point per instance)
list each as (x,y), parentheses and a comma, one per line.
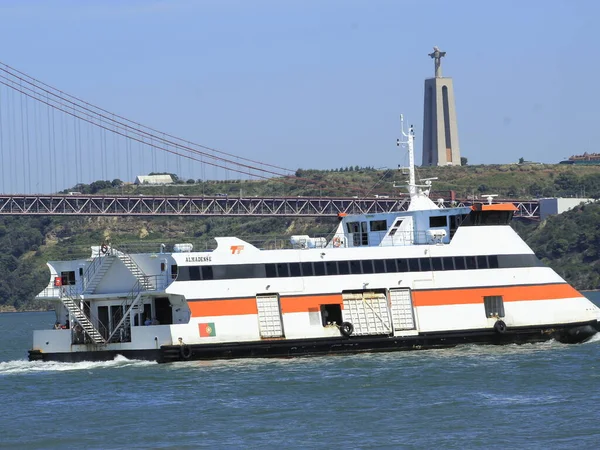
(534,396)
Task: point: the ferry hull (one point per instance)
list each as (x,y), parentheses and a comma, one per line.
(285,348)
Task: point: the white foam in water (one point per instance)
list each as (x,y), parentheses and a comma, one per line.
(24,366)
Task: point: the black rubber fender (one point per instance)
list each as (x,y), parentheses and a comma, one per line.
(185,352)
(500,327)
(346,328)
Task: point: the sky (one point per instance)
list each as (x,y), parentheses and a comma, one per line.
(321,83)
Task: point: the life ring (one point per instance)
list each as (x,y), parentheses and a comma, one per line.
(104,249)
(337,241)
(500,327)
(185,351)
(346,328)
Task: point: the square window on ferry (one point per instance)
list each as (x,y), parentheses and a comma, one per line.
(390,266)
(283,270)
(437,221)
(343,267)
(379,266)
(494,306)
(355,267)
(307,269)
(378,225)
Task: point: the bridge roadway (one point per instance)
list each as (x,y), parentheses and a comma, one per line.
(145,205)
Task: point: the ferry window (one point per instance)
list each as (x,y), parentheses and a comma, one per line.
(343,267)
(482,262)
(331,314)
(494,305)
(319,268)
(425,264)
(395,227)
(294,269)
(355,267)
(390,266)
(194,273)
(363,232)
(459,262)
(413,265)
(184,273)
(68,278)
(454,223)
(471,263)
(402,265)
(331,267)
(448,263)
(257,271)
(493,260)
(307,269)
(367,266)
(505,261)
(436,263)
(378,225)
(207,272)
(379,266)
(163,267)
(232,272)
(173,271)
(353,227)
(271,271)
(81,271)
(437,221)
(283,270)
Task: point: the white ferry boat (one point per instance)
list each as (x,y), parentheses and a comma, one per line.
(427,277)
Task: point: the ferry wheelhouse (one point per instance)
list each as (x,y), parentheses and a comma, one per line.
(427,277)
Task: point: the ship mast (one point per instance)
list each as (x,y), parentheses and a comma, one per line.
(409,142)
(419,198)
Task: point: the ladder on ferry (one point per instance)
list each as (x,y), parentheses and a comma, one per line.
(82,319)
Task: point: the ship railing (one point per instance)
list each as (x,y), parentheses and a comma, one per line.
(79,336)
(122,317)
(79,331)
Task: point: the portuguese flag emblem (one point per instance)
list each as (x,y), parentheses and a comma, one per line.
(207,329)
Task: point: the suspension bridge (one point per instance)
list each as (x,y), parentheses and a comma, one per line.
(51,141)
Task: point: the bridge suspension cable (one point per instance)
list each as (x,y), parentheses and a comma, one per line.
(60,144)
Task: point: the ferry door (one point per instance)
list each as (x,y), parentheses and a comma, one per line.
(368,312)
(270,324)
(403,316)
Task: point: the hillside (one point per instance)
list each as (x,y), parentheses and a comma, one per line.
(570,243)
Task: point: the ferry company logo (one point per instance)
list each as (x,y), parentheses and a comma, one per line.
(207,329)
(236,249)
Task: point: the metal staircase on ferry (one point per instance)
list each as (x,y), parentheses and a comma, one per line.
(88,284)
(121,331)
(82,319)
(145,281)
(95,272)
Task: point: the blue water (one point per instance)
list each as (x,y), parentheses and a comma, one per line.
(534,396)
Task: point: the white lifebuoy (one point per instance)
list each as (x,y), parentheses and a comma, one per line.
(337,241)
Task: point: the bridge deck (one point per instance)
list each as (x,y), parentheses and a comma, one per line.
(121,205)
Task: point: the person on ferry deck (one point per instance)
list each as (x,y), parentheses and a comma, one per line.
(57,326)
(148,321)
(67,325)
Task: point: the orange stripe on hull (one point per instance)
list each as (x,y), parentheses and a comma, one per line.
(307,303)
(438,297)
(508,293)
(229,307)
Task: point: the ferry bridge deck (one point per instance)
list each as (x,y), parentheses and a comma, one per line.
(136,205)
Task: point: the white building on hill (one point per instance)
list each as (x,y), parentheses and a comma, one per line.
(153,179)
